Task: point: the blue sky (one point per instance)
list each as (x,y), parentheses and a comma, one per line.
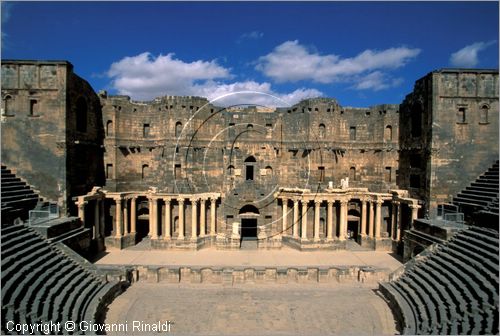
(361,53)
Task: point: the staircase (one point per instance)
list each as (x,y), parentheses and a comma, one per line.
(41,282)
(480,198)
(18,198)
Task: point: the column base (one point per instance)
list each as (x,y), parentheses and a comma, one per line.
(120,242)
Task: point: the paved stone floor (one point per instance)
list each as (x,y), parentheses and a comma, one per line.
(283,257)
(319,309)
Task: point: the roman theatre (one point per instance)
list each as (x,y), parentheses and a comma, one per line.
(237,217)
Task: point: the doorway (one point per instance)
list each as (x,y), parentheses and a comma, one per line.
(249,228)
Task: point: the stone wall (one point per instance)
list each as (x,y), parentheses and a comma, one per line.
(457,114)
(39,137)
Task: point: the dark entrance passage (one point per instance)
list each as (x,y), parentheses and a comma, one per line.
(142,226)
(248,228)
(352,230)
(248,233)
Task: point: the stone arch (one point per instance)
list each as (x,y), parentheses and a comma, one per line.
(321,130)
(7,110)
(388,133)
(178,128)
(109,128)
(250,168)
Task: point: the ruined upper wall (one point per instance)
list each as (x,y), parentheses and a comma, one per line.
(448,132)
(176,137)
(51,126)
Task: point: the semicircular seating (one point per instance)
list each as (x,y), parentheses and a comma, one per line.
(452,290)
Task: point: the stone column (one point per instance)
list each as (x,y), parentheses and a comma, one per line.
(133,216)
(97,230)
(154,218)
(303,233)
(194,217)
(285,214)
(394,219)
(378,218)
(181,218)
(363,217)
(371,221)
(343,219)
(103,218)
(167,233)
(296,218)
(317,203)
(414,212)
(125,216)
(212,216)
(150,216)
(400,222)
(118,219)
(203,221)
(81,210)
(329,228)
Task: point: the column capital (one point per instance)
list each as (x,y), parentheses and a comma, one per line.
(213,199)
(167,199)
(318,202)
(343,202)
(414,206)
(82,203)
(379,201)
(180,200)
(194,199)
(396,202)
(330,201)
(284,199)
(117,198)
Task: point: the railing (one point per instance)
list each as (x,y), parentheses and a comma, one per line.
(44,214)
(449,212)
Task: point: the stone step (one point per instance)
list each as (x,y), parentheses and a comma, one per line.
(11,277)
(490,194)
(12,231)
(23,287)
(22,254)
(18,243)
(453,276)
(75,287)
(441,312)
(422,316)
(475,264)
(36,308)
(480,241)
(466,195)
(62,266)
(472,278)
(47,305)
(406,306)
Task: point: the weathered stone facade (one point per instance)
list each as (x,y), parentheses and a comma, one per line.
(51,129)
(309,175)
(448,133)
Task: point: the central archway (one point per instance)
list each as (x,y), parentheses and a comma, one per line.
(249,215)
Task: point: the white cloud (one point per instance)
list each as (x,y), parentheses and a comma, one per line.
(377,81)
(6,10)
(144,77)
(467,56)
(291,62)
(253,35)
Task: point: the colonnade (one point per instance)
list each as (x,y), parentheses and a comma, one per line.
(96,199)
(370,222)
(161,222)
